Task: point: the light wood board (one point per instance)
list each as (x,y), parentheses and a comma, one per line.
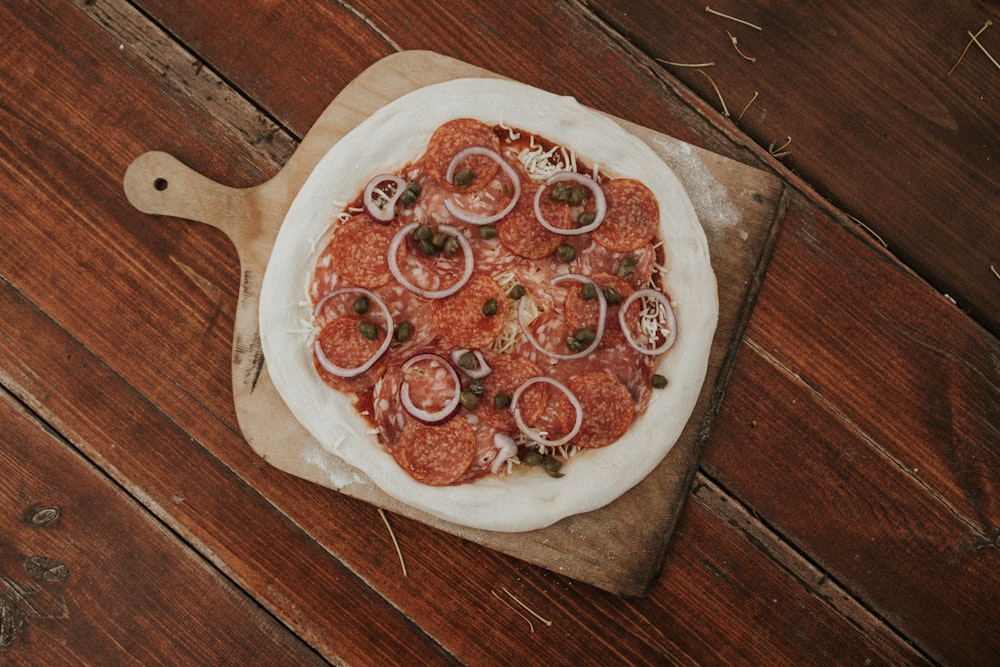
(618,548)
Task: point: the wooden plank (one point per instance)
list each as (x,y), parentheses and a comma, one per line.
(88,576)
(890,136)
(891,458)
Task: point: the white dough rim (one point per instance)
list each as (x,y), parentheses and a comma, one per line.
(390,138)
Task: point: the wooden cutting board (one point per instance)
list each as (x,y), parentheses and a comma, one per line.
(618,548)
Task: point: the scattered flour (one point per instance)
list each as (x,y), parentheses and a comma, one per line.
(337,472)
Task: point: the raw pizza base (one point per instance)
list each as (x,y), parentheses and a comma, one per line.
(389,139)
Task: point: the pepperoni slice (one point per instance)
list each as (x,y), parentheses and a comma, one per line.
(607,408)
(451,138)
(437,455)
(522,234)
(358,251)
(581,313)
(459,318)
(345,346)
(632,218)
(509,372)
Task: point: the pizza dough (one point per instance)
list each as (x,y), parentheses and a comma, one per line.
(398,133)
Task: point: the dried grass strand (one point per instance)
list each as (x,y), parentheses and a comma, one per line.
(732,18)
(752,100)
(725,109)
(674,64)
(972,41)
(732,38)
(392,535)
(531,626)
(526,607)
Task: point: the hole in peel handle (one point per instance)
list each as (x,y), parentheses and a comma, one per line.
(160,184)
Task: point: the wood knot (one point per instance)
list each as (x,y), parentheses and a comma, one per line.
(45,569)
(42,516)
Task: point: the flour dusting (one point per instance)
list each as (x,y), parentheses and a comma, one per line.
(338,474)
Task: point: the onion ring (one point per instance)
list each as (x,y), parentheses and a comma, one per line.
(340,371)
(397,273)
(387,211)
(533,434)
(473,218)
(671,327)
(600,203)
(602,315)
(482,368)
(425,415)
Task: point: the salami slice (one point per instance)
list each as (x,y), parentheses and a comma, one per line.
(460,320)
(522,234)
(451,138)
(358,251)
(607,408)
(344,345)
(582,313)
(509,372)
(437,455)
(632,218)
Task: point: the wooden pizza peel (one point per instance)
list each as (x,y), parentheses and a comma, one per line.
(618,548)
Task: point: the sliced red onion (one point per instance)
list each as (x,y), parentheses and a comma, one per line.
(506,448)
(393,259)
(340,371)
(482,368)
(600,203)
(473,218)
(385,210)
(602,315)
(671,324)
(532,433)
(426,415)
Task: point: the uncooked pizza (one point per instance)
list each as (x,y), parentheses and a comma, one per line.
(495,303)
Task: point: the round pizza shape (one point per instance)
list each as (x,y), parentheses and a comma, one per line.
(495,303)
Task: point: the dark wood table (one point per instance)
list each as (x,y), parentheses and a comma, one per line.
(847,505)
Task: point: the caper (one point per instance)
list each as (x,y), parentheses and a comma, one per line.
(576,195)
(438,239)
(588,292)
(566,253)
(422,232)
(368,330)
(658,381)
(625,266)
(468,400)
(586,218)
(516,292)
(450,246)
(468,361)
(490,307)
(611,295)
(573,344)
(427,247)
(487,232)
(501,400)
(361,305)
(464,177)
(532,457)
(476,387)
(559,192)
(408,197)
(585,336)
(552,465)
(402,332)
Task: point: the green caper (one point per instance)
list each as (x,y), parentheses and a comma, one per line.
(501,400)
(559,192)
(408,197)
(586,218)
(450,246)
(402,332)
(464,177)
(611,295)
(487,232)
(566,253)
(422,232)
(361,305)
(468,400)
(476,387)
(532,457)
(658,381)
(552,465)
(427,247)
(588,292)
(576,195)
(368,330)
(625,266)
(585,336)
(490,307)
(468,361)
(438,239)
(516,292)
(573,344)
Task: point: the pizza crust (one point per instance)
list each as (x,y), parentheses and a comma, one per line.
(389,139)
